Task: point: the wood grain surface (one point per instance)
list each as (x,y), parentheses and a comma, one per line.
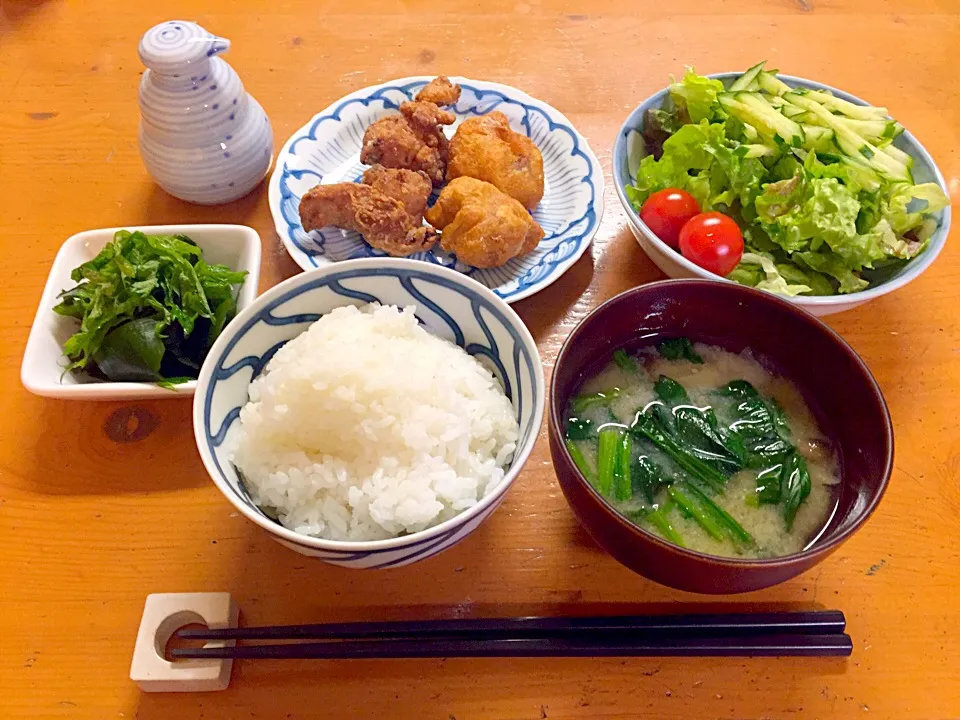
(101,504)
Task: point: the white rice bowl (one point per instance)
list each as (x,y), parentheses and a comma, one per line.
(366,427)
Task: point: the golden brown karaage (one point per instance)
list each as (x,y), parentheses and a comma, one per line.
(439,91)
(412,140)
(481,225)
(410,187)
(485,148)
(390,223)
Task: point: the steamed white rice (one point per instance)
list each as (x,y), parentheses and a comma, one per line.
(366,426)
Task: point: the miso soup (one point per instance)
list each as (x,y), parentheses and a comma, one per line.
(708,449)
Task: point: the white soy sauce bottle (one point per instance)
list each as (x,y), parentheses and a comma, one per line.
(203,138)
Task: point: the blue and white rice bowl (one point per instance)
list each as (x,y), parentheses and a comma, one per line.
(327,150)
(448,304)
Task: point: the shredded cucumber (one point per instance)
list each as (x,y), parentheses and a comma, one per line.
(748,78)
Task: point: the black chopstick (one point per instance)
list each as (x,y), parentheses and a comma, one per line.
(833,645)
(823,622)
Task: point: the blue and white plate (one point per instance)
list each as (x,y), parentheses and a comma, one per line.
(327,150)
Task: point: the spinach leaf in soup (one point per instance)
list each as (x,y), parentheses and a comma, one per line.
(762,426)
(689,470)
(625,362)
(796,486)
(698,429)
(649,477)
(654,427)
(580,428)
(679,348)
(760,431)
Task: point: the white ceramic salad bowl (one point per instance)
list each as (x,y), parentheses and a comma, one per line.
(676,266)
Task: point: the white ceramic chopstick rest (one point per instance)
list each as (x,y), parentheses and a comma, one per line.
(163,615)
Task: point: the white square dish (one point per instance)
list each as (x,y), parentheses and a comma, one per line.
(42,372)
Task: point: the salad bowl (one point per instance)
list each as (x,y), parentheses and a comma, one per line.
(673,264)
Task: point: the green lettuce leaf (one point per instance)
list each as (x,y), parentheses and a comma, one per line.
(700,159)
(746,274)
(895,247)
(683,165)
(906,206)
(772,279)
(779,198)
(793,274)
(741,174)
(654,175)
(826,215)
(831,264)
(870,211)
(852,174)
(694,147)
(697,94)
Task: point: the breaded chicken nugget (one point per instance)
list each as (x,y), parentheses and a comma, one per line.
(481,225)
(487,149)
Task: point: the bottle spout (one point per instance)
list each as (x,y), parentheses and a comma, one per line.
(173,46)
(217,45)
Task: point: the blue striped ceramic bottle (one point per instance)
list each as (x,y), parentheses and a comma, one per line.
(203,138)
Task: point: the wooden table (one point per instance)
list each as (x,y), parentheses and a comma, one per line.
(103,503)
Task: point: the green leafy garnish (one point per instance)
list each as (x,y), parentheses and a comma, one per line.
(149,308)
(692,509)
(624,361)
(585,402)
(608,444)
(796,486)
(622,483)
(652,427)
(580,460)
(756,427)
(581,428)
(660,520)
(679,349)
(698,428)
(649,478)
(731,527)
(762,427)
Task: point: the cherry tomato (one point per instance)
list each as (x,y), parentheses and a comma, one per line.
(667,211)
(713,241)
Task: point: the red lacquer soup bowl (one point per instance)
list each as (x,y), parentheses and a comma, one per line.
(833,379)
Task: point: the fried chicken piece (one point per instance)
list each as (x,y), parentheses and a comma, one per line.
(383,221)
(439,91)
(481,225)
(412,140)
(410,187)
(485,148)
